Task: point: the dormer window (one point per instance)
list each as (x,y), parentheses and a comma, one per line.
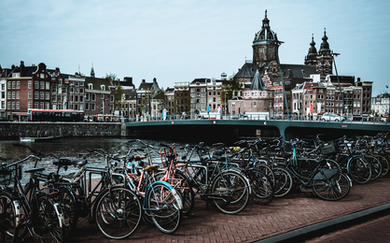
(90,86)
(102,87)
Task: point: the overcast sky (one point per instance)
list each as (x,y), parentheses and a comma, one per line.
(178,41)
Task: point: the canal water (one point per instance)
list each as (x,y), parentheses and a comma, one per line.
(71,147)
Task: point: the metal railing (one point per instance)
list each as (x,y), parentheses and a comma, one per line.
(304,118)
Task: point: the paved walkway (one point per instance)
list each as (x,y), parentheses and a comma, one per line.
(293,214)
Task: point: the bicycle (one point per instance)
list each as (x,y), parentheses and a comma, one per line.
(35,212)
(172,173)
(228,189)
(161,203)
(323,177)
(257,173)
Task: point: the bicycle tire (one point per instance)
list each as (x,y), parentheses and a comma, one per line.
(376,166)
(118,213)
(164,209)
(67,200)
(47,216)
(266,170)
(334,189)
(230,192)
(283,182)
(359,170)
(385,164)
(8,218)
(185,189)
(262,191)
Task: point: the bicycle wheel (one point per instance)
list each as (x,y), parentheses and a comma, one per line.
(262,191)
(332,189)
(283,182)
(67,200)
(182,184)
(163,207)
(47,224)
(385,164)
(118,213)
(266,170)
(376,166)
(8,212)
(230,192)
(359,170)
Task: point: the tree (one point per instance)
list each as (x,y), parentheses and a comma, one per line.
(118,89)
(230,88)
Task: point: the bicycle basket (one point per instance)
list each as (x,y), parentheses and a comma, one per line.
(328,148)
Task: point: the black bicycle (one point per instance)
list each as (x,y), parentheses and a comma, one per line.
(33,211)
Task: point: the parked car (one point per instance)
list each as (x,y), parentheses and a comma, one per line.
(332,117)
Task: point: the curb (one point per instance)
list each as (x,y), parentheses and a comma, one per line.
(315,230)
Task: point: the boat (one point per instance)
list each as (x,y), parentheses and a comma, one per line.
(40,139)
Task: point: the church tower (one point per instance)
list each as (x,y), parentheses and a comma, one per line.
(265,45)
(324,58)
(311,58)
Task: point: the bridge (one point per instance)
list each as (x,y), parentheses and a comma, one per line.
(222,129)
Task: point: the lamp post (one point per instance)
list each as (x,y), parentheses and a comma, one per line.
(338,80)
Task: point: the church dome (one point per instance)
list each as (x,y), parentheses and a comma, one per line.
(265,35)
(324,48)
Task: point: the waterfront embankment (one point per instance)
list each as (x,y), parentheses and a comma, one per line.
(11,130)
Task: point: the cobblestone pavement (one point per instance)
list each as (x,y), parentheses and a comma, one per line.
(256,222)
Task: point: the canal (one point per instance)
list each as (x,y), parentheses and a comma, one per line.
(72,147)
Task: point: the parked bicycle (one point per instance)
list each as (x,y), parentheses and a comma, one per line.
(33,211)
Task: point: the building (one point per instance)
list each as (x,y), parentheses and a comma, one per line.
(302,88)
(380,104)
(99,98)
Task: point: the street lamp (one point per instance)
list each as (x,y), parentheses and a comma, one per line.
(338,80)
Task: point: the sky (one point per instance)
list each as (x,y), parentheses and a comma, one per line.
(180,40)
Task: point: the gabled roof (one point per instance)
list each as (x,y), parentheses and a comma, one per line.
(248,70)
(97,82)
(145,85)
(298,70)
(201,80)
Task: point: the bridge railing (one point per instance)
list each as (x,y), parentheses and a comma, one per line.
(294,117)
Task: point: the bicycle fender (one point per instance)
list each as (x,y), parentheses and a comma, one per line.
(174,192)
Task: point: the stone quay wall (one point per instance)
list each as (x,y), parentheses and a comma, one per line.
(66,129)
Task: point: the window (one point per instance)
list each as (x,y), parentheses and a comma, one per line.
(93,106)
(13,84)
(18,84)
(90,86)
(47,96)
(42,85)
(87,96)
(261,49)
(103,87)
(17,94)
(42,96)
(47,85)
